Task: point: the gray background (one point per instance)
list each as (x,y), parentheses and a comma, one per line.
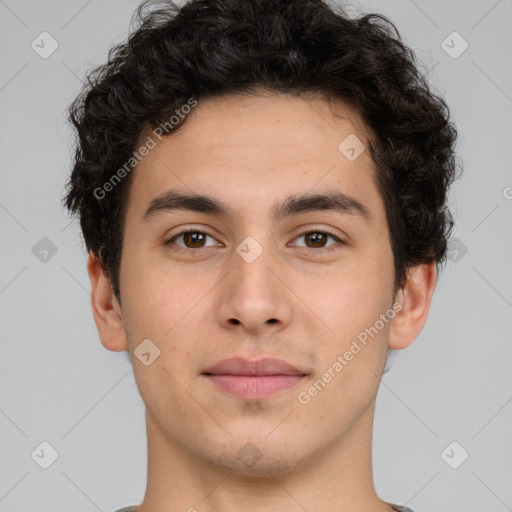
(58,383)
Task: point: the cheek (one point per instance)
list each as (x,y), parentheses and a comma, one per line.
(352,354)
(159,304)
(151,302)
(352,299)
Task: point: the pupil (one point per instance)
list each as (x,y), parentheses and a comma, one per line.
(316,237)
(194,237)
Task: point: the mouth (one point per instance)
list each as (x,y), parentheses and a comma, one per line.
(254,379)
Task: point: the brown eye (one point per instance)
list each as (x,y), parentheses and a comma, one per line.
(192,239)
(317,241)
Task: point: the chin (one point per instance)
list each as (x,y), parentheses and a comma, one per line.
(257,469)
(256,457)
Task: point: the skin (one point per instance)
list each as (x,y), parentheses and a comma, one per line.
(250,152)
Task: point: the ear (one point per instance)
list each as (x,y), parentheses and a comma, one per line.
(105,307)
(415,298)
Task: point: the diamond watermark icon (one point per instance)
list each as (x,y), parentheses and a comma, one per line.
(44,45)
(454,45)
(44,455)
(456,250)
(351,147)
(454,455)
(249,249)
(249,455)
(147,352)
(44,250)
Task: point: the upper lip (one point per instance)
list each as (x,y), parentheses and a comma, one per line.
(241,366)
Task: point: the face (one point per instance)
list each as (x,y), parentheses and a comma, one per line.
(262,273)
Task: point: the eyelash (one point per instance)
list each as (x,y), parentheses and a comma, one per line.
(309,231)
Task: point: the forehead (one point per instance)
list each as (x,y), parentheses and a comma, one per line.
(282,125)
(250,148)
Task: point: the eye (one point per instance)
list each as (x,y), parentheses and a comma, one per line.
(192,238)
(317,240)
(195,240)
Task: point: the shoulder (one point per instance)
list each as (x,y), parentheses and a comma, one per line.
(400,508)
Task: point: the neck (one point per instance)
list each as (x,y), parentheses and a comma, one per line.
(337,478)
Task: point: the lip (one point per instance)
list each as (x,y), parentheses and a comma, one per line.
(254,379)
(264,366)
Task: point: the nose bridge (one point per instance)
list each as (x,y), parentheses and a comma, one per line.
(253,261)
(252,294)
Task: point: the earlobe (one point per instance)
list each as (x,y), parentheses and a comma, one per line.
(415,299)
(105,307)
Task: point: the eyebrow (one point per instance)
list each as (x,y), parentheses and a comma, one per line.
(293,205)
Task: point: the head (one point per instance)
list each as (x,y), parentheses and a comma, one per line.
(295,120)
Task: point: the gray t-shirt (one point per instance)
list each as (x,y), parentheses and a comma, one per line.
(397,507)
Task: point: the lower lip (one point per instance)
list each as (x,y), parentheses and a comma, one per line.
(257,386)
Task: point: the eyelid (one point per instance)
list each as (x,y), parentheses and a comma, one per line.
(190,230)
(319,229)
(320,250)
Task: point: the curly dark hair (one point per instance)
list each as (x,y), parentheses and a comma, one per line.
(209,48)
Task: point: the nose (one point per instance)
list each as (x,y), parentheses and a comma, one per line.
(254,295)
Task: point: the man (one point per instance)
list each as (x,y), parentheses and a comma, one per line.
(261,186)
